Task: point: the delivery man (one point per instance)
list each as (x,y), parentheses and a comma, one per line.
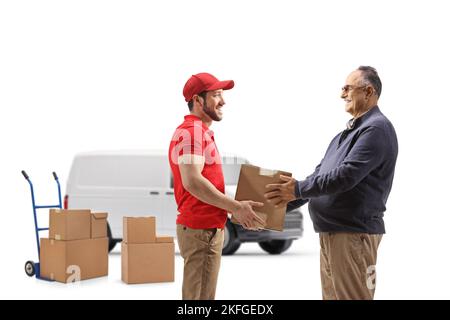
(199,188)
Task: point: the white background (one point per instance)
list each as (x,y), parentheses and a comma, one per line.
(94,75)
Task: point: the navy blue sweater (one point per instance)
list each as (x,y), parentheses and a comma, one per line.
(349,188)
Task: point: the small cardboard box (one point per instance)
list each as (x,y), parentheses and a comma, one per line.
(148,263)
(70,224)
(139,230)
(71,261)
(99,225)
(252,186)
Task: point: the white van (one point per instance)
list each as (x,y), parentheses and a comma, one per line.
(140,183)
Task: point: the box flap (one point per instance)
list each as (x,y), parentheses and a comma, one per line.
(99,215)
(164,239)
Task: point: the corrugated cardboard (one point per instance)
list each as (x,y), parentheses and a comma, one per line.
(69,261)
(164,239)
(70,224)
(99,225)
(148,263)
(252,186)
(139,230)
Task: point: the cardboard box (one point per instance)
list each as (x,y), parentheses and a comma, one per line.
(70,261)
(139,230)
(99,225)
(252,186)
(148,263)
(70,224)
(164,239)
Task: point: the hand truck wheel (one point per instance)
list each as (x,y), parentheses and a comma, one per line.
(30,269)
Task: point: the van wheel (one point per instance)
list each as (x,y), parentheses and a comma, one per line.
(276,246)
(112,242)
(230,243)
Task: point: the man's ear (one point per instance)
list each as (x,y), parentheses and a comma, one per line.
(198,99)
(370,91)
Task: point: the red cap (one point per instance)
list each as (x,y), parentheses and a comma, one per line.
(204,82)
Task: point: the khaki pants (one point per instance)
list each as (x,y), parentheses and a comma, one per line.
(347,265)
(201,250)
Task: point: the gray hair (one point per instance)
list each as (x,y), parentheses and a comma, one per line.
(370,77)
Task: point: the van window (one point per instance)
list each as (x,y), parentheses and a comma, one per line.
(231,167)
(124,171)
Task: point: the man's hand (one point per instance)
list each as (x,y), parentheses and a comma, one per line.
(281,193)
(245,215)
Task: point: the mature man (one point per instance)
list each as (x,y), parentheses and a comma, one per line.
(199,188)
(347,192)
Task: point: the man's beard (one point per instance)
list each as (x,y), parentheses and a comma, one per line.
(211,113)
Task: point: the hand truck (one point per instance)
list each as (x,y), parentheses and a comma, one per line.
(33,268)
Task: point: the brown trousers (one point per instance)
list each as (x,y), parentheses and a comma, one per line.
(347,265)
(201,250)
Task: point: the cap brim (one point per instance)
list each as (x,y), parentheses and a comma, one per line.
(225,85)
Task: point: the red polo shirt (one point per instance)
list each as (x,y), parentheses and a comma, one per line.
(194,137)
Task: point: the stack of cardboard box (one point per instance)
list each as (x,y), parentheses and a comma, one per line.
(77,247)
(146,258)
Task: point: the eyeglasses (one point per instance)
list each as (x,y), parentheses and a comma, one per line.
(348,88)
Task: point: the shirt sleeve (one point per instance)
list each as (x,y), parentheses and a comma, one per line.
(367,153)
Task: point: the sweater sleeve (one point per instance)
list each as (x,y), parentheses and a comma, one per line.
(366,154)
(297,190)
